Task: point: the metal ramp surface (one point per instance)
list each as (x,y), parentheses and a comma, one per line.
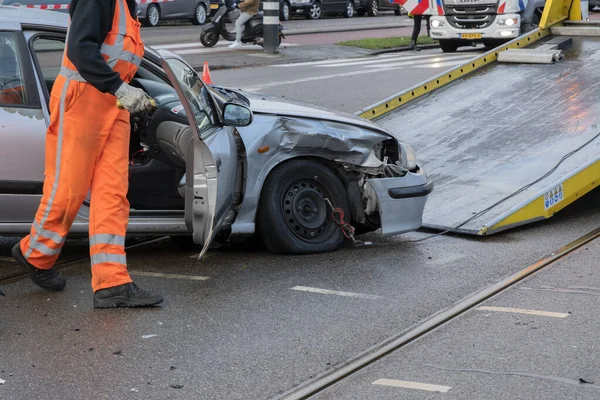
(488,134)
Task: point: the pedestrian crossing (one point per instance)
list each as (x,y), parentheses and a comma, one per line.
(193,48)
(434,59)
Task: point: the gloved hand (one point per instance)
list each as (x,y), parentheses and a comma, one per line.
(133,99)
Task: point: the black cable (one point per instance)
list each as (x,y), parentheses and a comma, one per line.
(479,214)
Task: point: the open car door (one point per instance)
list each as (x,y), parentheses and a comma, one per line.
(201,169)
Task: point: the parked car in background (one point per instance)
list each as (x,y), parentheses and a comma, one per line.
(284,9)
(314,9)
(372,7)
(152,13)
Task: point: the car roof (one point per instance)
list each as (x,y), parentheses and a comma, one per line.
(33,16)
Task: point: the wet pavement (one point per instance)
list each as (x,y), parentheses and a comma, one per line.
(535,341)
(241,324)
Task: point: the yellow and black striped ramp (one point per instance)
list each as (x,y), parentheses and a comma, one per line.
(491,135)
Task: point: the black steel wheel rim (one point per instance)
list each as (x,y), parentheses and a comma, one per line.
(305,211)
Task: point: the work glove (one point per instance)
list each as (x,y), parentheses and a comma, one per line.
(133,99)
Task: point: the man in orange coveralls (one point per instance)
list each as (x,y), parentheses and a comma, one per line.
(87,146)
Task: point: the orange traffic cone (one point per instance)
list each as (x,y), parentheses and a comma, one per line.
(206,74)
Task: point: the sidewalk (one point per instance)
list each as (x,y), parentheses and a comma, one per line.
(538,340)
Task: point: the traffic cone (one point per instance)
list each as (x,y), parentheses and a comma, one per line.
(206,74)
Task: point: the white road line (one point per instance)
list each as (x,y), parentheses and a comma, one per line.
(432,57)
(318,78)
(182,48)
(335,292)
(441,65)
(435,60)
(183,45)
(169,276)
(412,385)
(523,311)
(304,64)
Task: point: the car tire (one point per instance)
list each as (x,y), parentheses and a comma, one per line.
(293,217)
(152,16)
(284,13)
(184,242)
(209,38)
(349,12)
(316,11)
(448,46)
(373,8)
(200,15)
(397,11)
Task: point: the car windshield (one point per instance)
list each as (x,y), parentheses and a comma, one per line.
(196,94)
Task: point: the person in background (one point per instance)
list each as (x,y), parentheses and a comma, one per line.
(248,8)
(422,10)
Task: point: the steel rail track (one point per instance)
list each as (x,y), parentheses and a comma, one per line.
(314,386)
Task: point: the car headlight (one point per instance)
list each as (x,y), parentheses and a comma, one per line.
(408,157)
(437,23)
(508,21)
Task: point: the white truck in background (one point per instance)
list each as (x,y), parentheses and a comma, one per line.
(457,23)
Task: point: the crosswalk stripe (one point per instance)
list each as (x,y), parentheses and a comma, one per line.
(198,48)
(434,60)
(308,63)
(401,60)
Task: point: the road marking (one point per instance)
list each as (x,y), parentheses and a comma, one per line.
(431,61)
(335,292)
(169,276)
(198,48)
(412,385)
(523,311)
(409,59)
(321,77)
(303,64)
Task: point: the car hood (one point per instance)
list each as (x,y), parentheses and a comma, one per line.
(265,104)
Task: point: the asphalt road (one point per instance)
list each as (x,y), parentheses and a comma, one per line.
(348,84)
(244,324)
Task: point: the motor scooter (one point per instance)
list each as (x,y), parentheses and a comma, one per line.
(216,28)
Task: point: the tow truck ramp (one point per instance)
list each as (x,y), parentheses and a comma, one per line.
(506,144)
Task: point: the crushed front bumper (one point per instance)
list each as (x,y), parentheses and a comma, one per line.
(401,202)
(494,31)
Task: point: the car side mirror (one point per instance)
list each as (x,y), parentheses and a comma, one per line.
(237,115)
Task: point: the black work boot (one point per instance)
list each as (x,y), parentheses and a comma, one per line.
(49,279)
(413,45)
(127,295)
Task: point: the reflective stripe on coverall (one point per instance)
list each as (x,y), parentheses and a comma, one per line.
(87,146)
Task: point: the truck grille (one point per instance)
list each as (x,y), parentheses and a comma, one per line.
(478,16)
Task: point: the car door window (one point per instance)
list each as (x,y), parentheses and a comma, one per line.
(49,53)
(197,95)
(12,86)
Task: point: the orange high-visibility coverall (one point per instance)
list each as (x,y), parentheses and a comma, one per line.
(87,146)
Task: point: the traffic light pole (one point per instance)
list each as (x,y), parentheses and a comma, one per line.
(271,26)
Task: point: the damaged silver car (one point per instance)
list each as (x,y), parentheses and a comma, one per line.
(210,162)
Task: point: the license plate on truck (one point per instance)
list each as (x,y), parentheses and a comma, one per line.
(471,36)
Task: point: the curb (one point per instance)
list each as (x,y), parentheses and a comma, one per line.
(405,48)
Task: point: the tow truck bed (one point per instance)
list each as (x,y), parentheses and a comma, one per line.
(485,136)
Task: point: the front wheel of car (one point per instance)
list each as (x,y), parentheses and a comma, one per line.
(373,8)
(293,215)
(349,13)
(315,11)
(153,16)
(199,15)
(284,13)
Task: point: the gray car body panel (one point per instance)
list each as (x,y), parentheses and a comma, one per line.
(290,130)
(175,9)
